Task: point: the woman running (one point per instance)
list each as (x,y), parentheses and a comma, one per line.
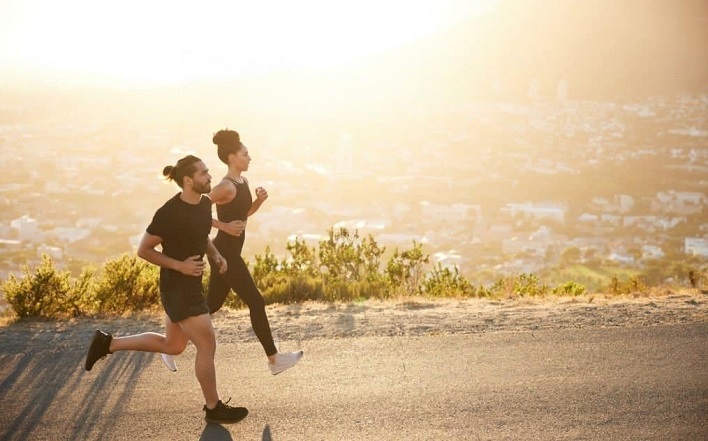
(234,204)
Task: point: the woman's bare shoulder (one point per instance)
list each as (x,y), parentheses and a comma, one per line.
(223,192)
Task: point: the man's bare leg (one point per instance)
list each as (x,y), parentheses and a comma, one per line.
(200,332)
(173,342)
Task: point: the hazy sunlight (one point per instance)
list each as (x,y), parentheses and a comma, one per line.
(162,42)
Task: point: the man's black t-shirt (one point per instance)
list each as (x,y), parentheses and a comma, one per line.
(184,229)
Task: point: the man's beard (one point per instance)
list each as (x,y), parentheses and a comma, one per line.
(202,188)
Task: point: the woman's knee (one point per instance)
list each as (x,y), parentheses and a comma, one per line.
(252,298)
(256,302)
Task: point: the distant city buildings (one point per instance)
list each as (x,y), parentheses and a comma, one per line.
(696,246)
(460,191)
(27,228)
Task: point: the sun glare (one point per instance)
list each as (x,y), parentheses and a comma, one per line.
(163,41)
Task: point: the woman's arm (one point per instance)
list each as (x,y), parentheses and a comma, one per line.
(234,228)
(261,196)
(222,192)
(214,255)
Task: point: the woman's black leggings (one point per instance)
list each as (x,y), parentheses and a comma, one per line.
(239,279)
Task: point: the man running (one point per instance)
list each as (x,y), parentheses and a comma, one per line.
(181,227)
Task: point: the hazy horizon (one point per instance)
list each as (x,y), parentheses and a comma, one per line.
(165,43)
(425,50)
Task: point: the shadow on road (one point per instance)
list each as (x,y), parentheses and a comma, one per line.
(217,432)
(36,379)
(266,434)
(108,396)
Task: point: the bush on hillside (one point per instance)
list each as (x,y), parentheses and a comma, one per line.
(405,271)
(634,285)
(345,257)
(125,284)
(342,267)
(569,289)
(446,282)
(46,292)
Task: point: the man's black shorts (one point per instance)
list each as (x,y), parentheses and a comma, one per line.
(182,303)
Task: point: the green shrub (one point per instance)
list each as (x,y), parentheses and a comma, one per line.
(446,282)
(405,270)
(266,266)
(302,262)
(522,285)
(80,299)
(336,290)
(569,288)
(44,292)
(528,285)
(633,285)
(294,289)
(344,256)
(127,283)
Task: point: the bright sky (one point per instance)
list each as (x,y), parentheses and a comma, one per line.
(160,41)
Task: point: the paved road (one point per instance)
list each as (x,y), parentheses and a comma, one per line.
(648,383)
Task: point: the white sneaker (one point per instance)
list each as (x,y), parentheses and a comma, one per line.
(284,360)
(169,361)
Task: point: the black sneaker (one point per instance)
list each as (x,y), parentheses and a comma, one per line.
(225,414)
(98,348)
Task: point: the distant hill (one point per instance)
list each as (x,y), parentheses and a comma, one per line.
(602,48)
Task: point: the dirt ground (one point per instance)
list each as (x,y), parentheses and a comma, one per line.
(415,317)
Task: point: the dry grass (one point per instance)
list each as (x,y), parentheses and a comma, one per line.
(411,303)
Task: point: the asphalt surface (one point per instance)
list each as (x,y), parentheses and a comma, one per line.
(644,383)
